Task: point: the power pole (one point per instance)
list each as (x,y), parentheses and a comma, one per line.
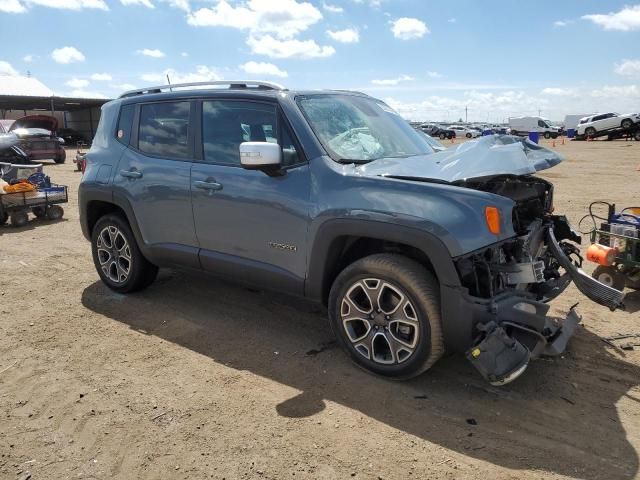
(466,113)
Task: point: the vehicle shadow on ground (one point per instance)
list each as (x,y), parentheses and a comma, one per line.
(632,302)
(560,417)
(33,223)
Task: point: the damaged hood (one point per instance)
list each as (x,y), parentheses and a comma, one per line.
(484,157)
(45,122)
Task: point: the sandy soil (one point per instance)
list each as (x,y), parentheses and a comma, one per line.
(194,378)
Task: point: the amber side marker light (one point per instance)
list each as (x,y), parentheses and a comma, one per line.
(492,216)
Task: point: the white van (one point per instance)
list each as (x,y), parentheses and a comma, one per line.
(524,125)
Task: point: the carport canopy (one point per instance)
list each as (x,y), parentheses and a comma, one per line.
(53,103)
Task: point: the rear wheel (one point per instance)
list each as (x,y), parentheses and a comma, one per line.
(117,258)
(627,123)
(443,136)
(469,135)
(54,212)
(39,212)
(610,276)
(19,219)
(385,312)
(61,157)
(547,135)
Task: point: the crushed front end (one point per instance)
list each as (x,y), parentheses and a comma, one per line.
(509,284)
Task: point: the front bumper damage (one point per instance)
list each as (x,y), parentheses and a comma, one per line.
(513,327)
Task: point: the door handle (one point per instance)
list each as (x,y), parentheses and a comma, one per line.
(131,173)
(209,185)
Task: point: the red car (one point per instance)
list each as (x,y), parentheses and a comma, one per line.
(38,137)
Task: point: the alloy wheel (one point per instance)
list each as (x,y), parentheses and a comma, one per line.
(380,321)
(114,254)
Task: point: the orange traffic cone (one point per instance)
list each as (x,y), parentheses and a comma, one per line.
(453,140)
(553,143)
(562,140)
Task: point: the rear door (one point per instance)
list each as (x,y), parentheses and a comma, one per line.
(153,177)
(250,225)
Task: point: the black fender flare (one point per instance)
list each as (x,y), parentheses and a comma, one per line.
(331,230)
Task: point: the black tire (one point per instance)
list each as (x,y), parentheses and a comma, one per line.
(141,273)
(418,286)
(443,136)
(554,135)
(54,212)
(610,276)
(636,136)
(627,123)
(3,218)
(39,212)
(547,135)
(590,132)
(469,135)
(19,219)
(61,157)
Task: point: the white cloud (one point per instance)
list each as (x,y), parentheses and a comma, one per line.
(628,68)
(625,20)
(201,74)
(151,52)
(263,68)
(274,48)
(282,18)
(558,91)
(409,28)
(144,3)
(184,54)
(332,8)
(623,93)
(392,81)
(81,93)
(69,4)
(434,75)
(101,77)
(123,86)
(12,6)
(7,69)
(66,55)
(179,4)
(348,35)
(452,20)
(28,58)
(560,23)
(78,83)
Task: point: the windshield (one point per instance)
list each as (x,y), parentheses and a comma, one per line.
(360,129)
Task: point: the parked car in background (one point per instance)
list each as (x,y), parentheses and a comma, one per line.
(5,125)
(590,126)
(524,125)
(37,136)
(436,131)
(71,136)
(463,132)
(435,144)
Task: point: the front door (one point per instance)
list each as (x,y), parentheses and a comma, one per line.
(250,225)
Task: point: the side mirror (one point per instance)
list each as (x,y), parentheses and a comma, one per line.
(263,156)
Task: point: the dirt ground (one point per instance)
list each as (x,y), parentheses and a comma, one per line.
(195,378)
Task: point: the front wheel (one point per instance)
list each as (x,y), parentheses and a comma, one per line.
(61,157)
(385,312)
(443,136)
(610,276)
(627,123)
(547,135)
(117,258)
(469,135)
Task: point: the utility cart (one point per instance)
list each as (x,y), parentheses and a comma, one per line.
(615,247)
(43,198)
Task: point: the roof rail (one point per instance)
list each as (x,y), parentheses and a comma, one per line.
(233,84)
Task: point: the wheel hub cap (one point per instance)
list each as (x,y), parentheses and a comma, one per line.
(114,254)
(380,321)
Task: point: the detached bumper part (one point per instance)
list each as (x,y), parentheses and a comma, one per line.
(590,287)
(499,358)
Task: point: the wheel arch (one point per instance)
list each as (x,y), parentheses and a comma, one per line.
(338,243)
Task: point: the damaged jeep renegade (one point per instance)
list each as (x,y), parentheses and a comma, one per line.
(332,196)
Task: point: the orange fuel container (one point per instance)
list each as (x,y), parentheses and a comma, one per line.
(601,254)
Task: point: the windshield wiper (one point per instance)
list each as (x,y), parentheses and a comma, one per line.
(353,160)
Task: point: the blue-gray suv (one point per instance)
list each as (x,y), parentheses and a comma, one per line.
(332,196)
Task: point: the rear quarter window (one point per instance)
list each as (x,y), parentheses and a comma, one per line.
(125,122)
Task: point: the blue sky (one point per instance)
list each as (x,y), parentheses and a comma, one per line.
(427,59)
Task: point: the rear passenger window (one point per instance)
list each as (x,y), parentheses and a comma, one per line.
(164,129)
(123,133)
